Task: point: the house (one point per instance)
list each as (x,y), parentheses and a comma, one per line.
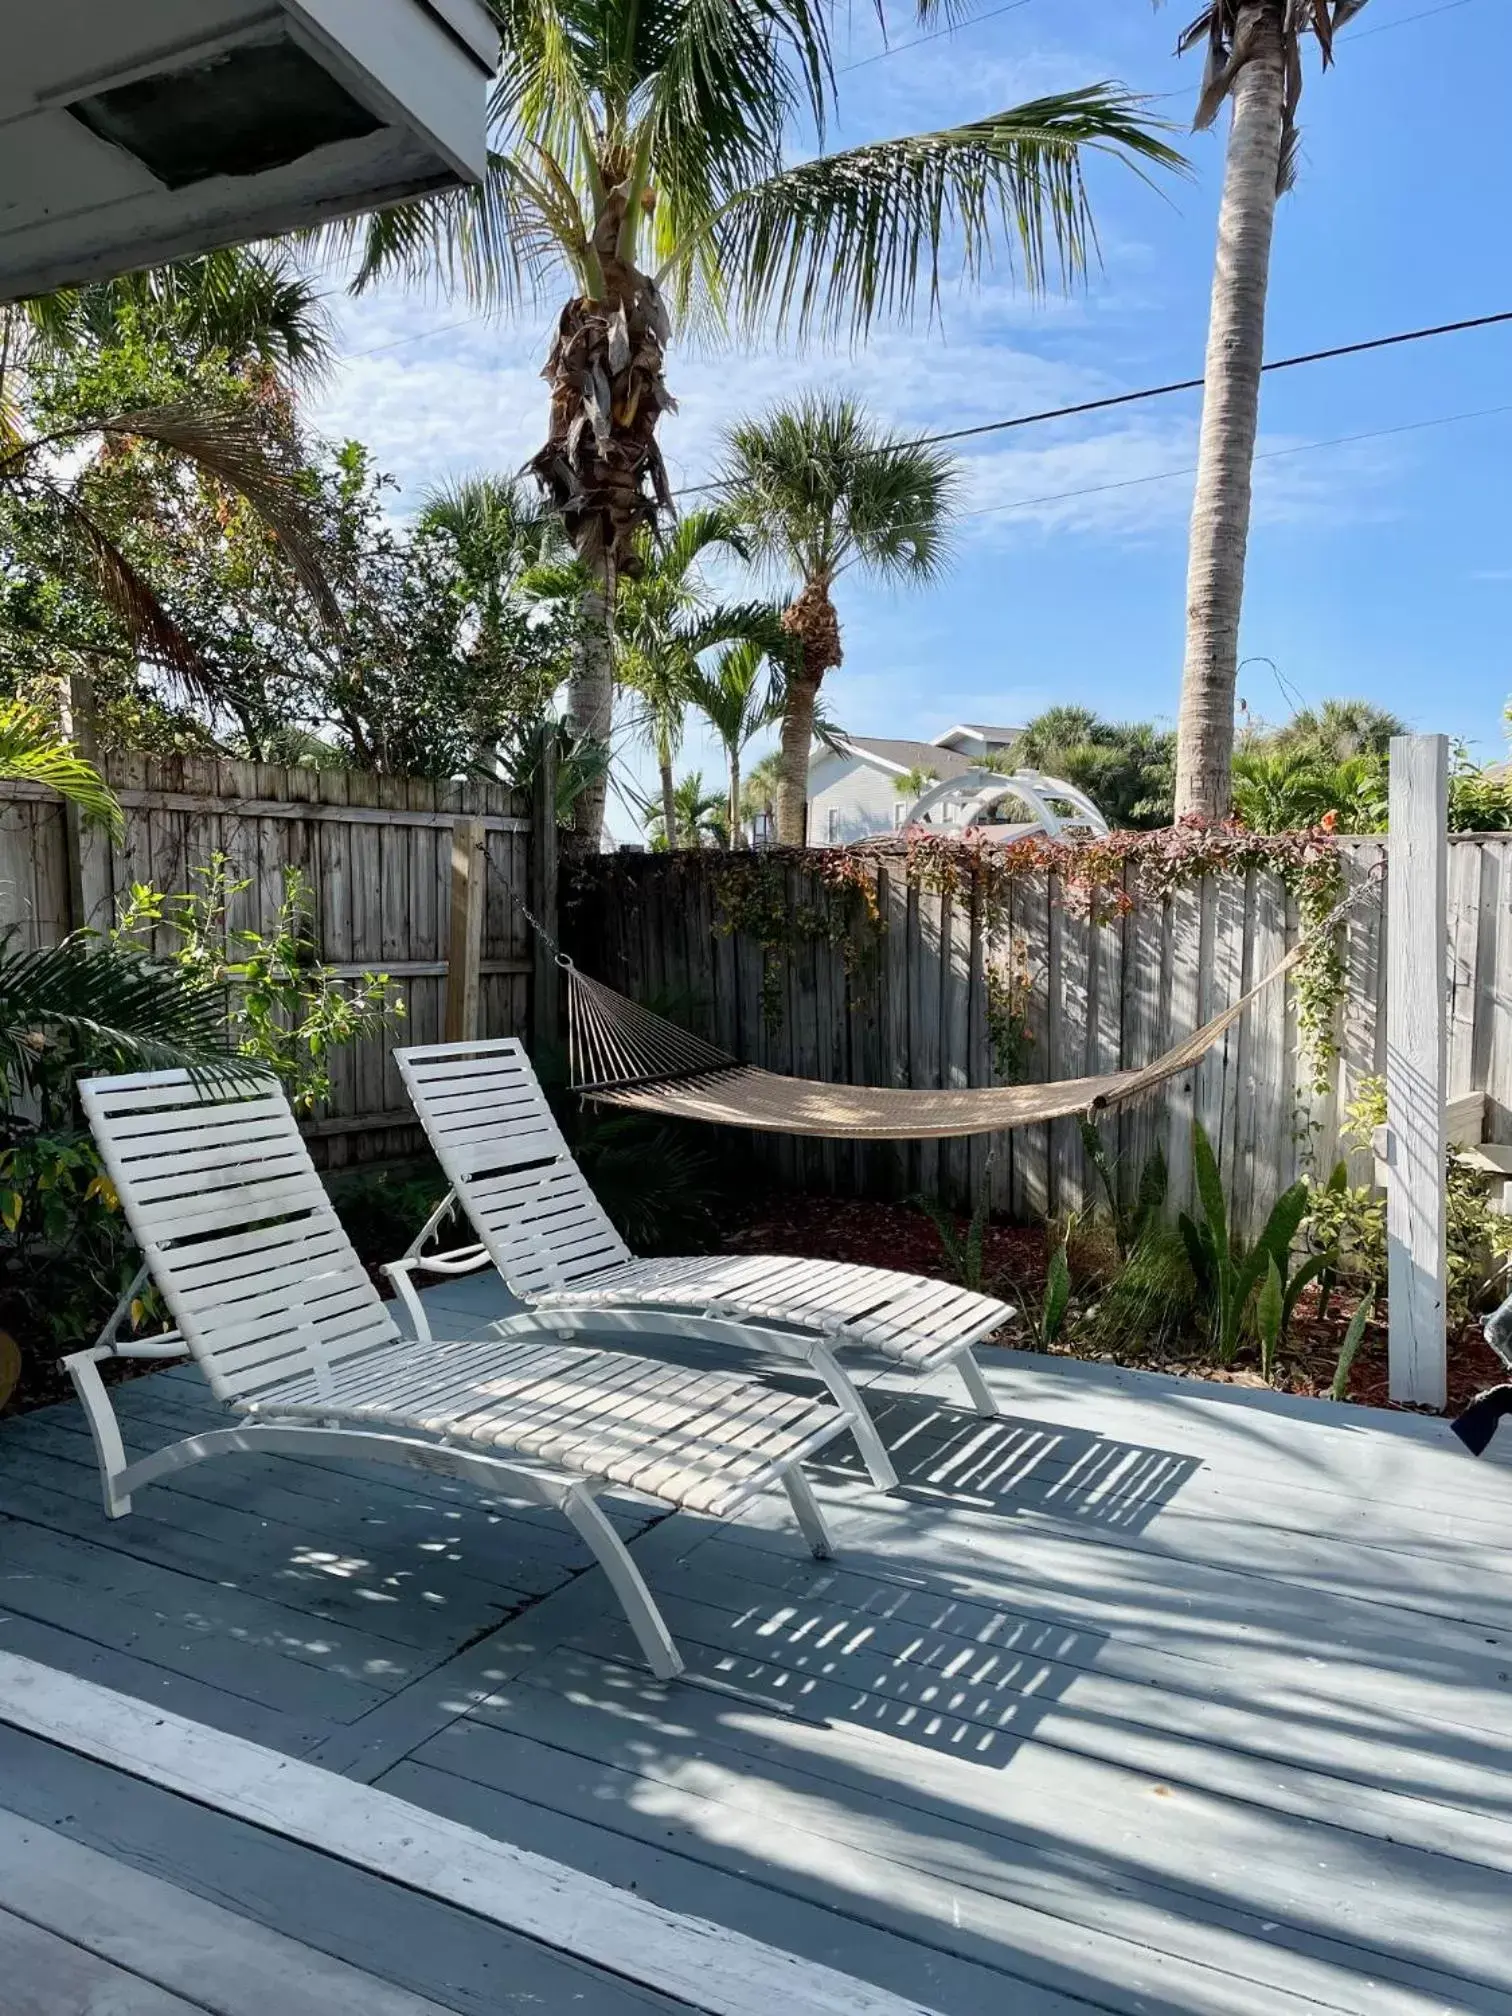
(134,134)
(853,788)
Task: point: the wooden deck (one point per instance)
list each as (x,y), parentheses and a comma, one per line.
(1148,1698)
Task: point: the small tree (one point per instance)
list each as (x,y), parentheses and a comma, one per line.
(821,490)
(740,696)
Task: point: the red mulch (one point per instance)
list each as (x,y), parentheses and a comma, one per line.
(897,1235)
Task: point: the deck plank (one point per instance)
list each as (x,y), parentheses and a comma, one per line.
(45,1976)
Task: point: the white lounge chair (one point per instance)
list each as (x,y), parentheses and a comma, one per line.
(271,1300)
(541,1226)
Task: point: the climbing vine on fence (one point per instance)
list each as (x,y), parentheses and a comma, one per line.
(1103,880)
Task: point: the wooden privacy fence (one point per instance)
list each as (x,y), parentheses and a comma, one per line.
(402,874)
(914,1003)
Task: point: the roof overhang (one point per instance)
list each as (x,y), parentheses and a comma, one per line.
(137,131)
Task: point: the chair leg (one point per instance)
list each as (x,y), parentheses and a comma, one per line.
(879,1464)
(645,1620)
(971,1378)
(806,1508)
(84,1370)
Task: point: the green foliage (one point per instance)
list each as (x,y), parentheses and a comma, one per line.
(65,1253)
(702,816)
(965,1252)
(1354,1336)
(382,1209)
(658,1183)
(32,753)
(284,1009)
(1044,1316)
(1131,1221)
(1227,1276)
(1127,768)
(1152,1297)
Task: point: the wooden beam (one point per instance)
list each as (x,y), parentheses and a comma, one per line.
(546,990)
(278,808)
(1417,1067)
(469,890)
(688,1960)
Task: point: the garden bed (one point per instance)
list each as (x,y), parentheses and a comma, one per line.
(1015,1260)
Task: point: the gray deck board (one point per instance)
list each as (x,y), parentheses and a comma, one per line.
(405,1940)
(1150,1698)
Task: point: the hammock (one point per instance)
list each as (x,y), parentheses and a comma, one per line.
(623,1055)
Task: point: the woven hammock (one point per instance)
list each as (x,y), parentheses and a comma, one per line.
(623,1055)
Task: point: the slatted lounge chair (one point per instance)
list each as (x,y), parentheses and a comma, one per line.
(272,1302)
(539,1223)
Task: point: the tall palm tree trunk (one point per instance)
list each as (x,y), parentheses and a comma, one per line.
(737,837)
(669,795)
(813,621)
(1230,419)
(601,466)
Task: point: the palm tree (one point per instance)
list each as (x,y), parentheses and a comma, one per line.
(914,783)
(1339,729)
(697,815)
(665,621)
(820,489)
(1254,59)
(739,705)
(638,162)
(31,753)
(758,794)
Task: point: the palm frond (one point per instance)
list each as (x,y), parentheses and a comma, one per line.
(821,487)
(31,753)
(113,1010)
(837,242)
(229,445)
(152,630)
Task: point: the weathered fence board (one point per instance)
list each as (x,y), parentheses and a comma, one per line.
(376,854)
(913,1010)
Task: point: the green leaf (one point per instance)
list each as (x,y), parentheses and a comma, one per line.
(1281,1227)
(1210,1192)
(1269,1313)
(1197,1252)
(1353,1338)
(1057,1295)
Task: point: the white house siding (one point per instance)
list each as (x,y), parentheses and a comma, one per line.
(849,799)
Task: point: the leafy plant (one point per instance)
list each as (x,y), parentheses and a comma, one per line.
(1151,1297)
(1354,1336)
(1045,1316)
(383,1208)
(1131,1222)
(965,1253)
(283,1008)
(31,752)
(1227,1276)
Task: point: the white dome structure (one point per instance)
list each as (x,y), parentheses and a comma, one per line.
(975,799)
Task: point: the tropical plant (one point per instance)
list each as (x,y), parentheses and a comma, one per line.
(1228,1276)
(1349,1349)
(1336,730)
(1044,1316)
(820,490)
(700,816)
(740,696)
(665,619)
(758,794)
(965,1251)
(254,305)
(1277,790)
(579,762)
(1125,767)
(1254,62)
(914,783)
(638,165)
(1131,1221)
(283,1010)
(33,754)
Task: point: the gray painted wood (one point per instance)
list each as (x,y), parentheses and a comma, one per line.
(139,1928)
(406,1940)
(45,1975)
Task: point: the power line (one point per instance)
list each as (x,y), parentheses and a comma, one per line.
(1266,455)
(1176,385)
(955,28)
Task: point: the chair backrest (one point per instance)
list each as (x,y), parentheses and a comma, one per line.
(486,1116)
(236,1227)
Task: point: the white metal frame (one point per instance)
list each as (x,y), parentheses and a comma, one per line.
(281,1428)
(811,1345)
(983,788)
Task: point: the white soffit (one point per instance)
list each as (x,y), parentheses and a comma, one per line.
(134,131)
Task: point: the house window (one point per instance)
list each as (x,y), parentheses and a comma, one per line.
(832,826)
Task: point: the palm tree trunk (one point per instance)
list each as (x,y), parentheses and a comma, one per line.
(590,706)
(669,795)
(737,838)
(1230,419)
(601,466)
(812,620)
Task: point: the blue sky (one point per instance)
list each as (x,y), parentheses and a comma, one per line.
(1378,566)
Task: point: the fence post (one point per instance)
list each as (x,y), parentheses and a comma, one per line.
(90,884)
(546,977)
(1417,1066)
(464,948)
